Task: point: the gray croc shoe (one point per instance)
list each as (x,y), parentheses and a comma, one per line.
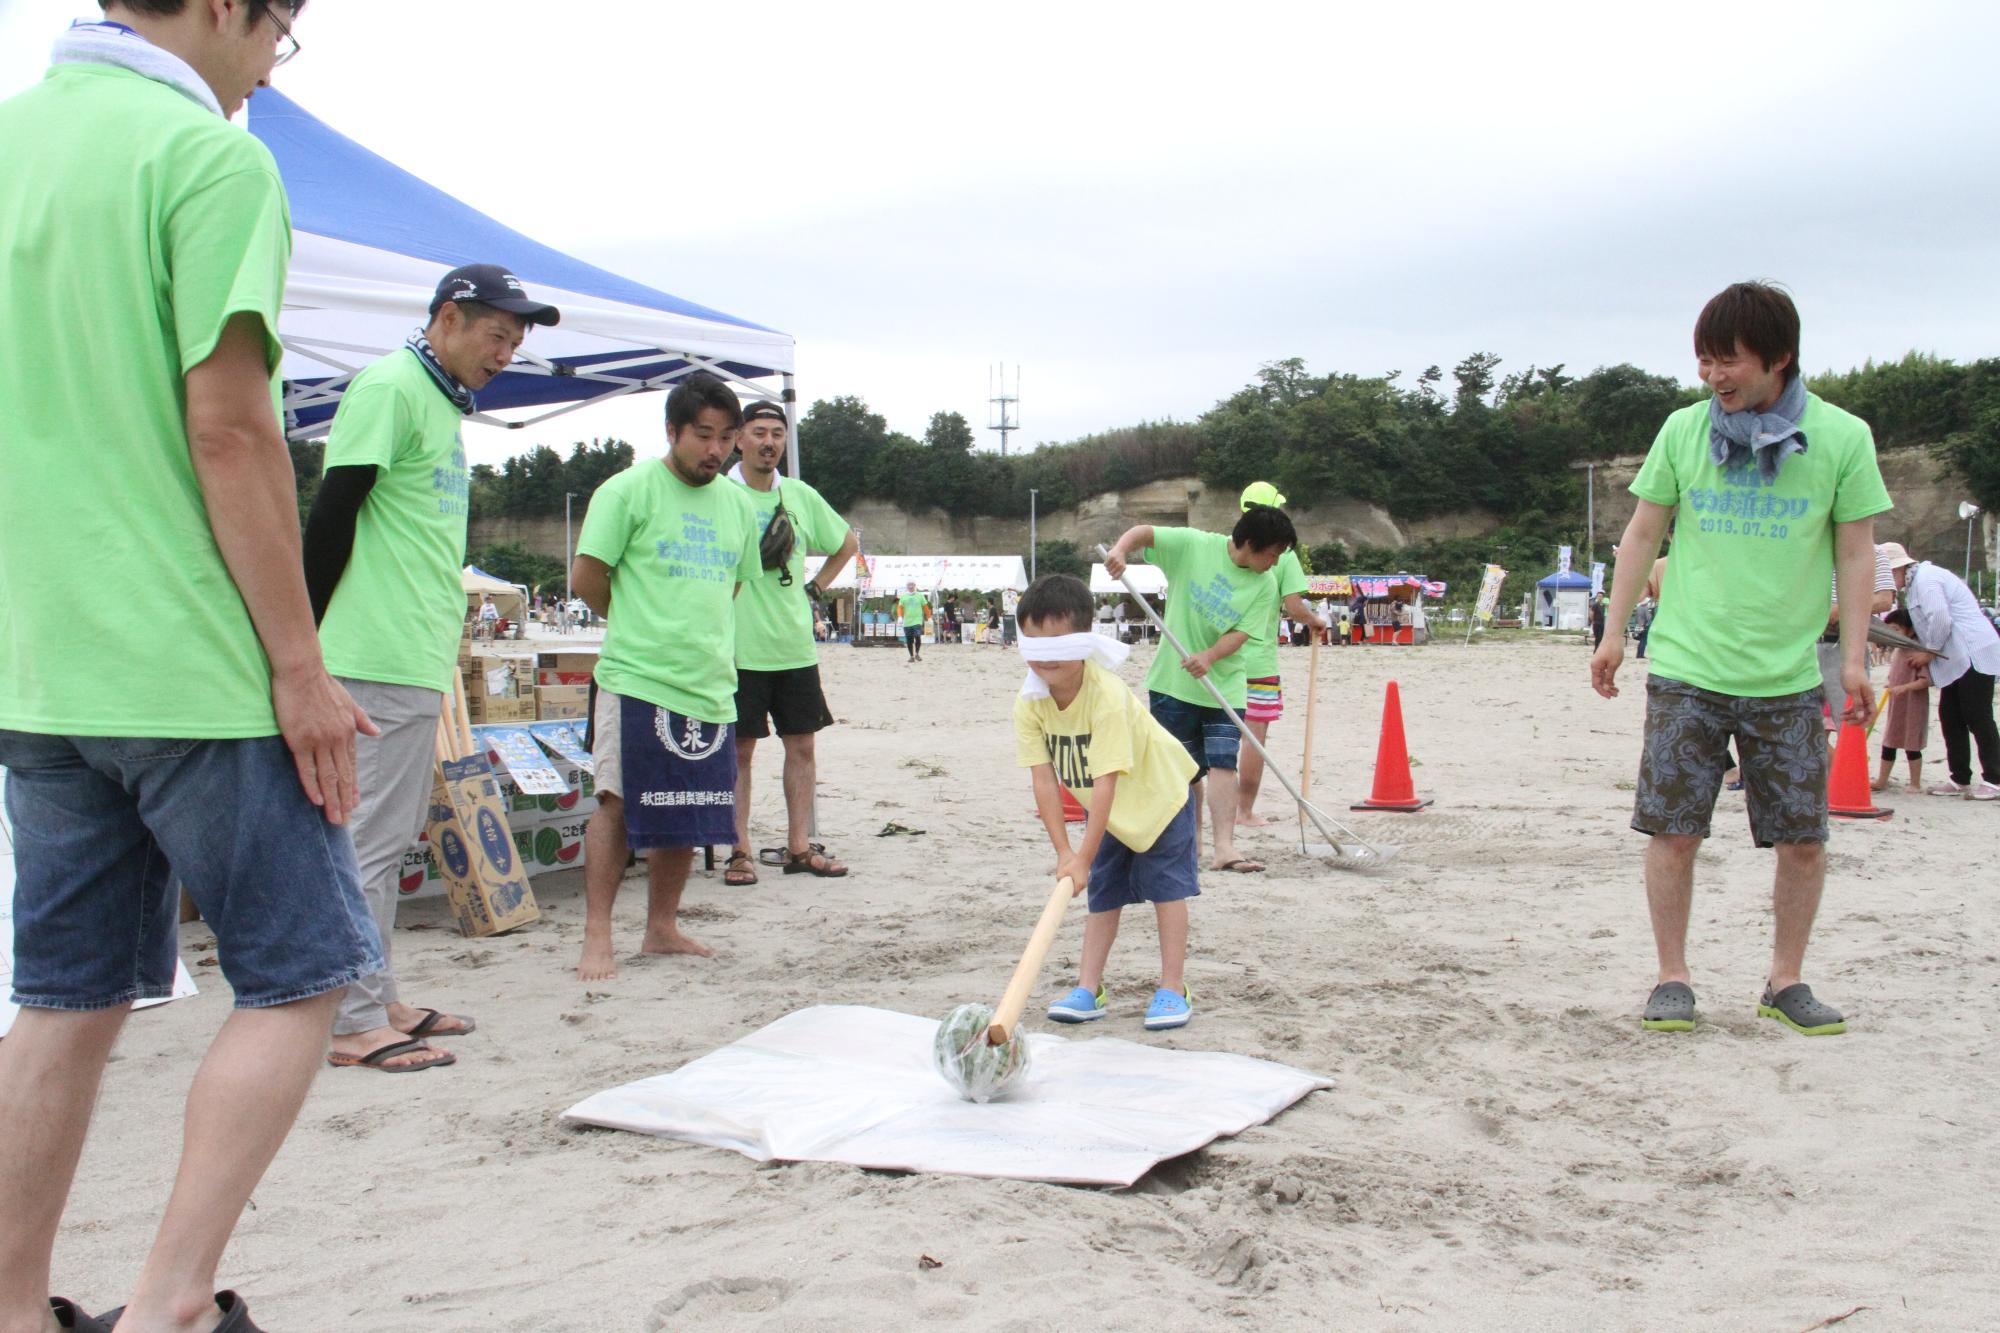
(1795,1007)
(1670,1008)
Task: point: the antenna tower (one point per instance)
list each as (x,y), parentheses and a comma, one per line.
(1003,408)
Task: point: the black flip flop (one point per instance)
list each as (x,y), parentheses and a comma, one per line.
(235,1316)
(375,1058)
(429,1026)
(1241,865)
(71,1315)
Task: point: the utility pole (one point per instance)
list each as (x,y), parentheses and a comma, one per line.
(1031,535)
(1590,516)
(1003,409)
(569,555)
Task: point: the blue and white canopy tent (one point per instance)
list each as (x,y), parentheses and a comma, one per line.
(370,242)
(1562,601)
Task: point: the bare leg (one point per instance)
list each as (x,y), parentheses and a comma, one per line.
(1249,777)
(746,752)
(666,877)
(244,1099)
(1173,944)
(1917,774)
(50,1066)
(1222,814)
(801,769)
(604,850)
(1882,772)
(1670,898)
(1099,930)
(1794,902)
(1199,786)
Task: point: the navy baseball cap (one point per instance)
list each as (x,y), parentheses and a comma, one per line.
(489,284)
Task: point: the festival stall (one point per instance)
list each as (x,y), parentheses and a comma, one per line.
(1562,601)
(1112,598)
(1390,609)
(510,598)
(370,242)
(879,577)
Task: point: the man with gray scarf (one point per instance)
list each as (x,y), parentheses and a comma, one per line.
(1775,493)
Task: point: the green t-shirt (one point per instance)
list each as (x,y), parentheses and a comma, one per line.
(133,225)
(911,604)
(676,553)
(400,606)
(1208,595)
(1260,656)
(1746,596)
(774,624)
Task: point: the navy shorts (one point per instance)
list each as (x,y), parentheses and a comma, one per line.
(102,826)
(1163,873)
(1210,738)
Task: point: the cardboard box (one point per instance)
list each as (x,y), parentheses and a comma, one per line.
(554,845)
(561,701)
(544,676)
(525,807)
(474,847)
(499,709)
(581,663)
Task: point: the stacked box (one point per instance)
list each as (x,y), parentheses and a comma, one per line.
(501,689)
(561,701)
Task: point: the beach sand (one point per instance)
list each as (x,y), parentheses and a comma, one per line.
(1503,1146)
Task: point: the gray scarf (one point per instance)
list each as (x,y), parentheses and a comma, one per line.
(448,385)
(88,43)
(1734,438)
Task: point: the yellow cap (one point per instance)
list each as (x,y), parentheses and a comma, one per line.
(1262,493)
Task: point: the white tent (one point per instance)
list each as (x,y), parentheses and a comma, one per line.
(890,574)
(371,241)
(511,598)
(1150,580)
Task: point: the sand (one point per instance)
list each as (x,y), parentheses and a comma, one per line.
(1504,1144)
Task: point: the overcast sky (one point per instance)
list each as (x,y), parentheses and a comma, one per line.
(1141,204)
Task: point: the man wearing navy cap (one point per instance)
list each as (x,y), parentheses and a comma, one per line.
(382,551)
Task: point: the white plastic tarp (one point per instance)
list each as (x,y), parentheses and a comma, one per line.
(846,1083)
(1150,580)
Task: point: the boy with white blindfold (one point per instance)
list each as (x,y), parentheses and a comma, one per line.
(1078,726)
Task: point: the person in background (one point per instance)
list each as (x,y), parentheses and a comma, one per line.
(1906,721)
(911,609)
(1264,690)
(383,546)
(1962,655)
(144,244)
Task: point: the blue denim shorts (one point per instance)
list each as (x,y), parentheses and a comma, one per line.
(103,825)
(1210,738)
(1163,873)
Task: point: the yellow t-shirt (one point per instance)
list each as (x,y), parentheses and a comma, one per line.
(1106,729)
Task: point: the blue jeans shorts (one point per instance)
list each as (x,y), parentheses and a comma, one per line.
(1210,738)
(1163,873)
(102,826)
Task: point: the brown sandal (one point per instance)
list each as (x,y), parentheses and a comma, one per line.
(736,878)
(802,864)
(377,1058)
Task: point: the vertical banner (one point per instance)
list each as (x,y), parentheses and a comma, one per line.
(1565,558)
(1489,599)
(1597,578)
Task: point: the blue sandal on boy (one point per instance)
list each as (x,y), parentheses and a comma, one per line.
(1169,1009)
(1079,1006)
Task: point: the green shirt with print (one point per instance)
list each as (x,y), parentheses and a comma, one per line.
(400,608)
(1208,595)
(1260,656)
(1746,597)
(911,604)
(676,553)
(134,224)
(774,623)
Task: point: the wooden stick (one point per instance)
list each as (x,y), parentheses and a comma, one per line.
(1306,777)
(459,714)
(1008,1014)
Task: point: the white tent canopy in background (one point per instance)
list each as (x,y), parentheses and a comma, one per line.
(510,598)
(370,242)
(1150,580)
(890,574)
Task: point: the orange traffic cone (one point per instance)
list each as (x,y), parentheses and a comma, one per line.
(1393,788)
(1073,813)
(1848,794)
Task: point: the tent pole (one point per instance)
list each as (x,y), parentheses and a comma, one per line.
(791,400)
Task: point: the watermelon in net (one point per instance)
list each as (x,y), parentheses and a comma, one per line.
(977,1071)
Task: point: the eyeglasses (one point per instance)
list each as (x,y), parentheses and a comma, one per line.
(285,38)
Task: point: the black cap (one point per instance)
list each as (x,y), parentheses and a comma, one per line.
(489,284)
(764,407)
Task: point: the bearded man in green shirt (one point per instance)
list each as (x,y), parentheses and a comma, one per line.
(777,657)
(382,552)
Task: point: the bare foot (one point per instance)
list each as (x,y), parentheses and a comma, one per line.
(1251,819)
(596,963)
(672,941)
(1879,784)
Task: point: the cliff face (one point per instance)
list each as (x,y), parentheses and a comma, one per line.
(1925,519)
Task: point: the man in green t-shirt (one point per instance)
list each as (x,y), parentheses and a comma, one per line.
(911,608)
(777,657)
(192,733)
(1772,491)
(1264,694)
(382,552)
(1221,598)
(665,548)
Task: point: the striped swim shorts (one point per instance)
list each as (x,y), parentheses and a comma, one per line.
(1266,702)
